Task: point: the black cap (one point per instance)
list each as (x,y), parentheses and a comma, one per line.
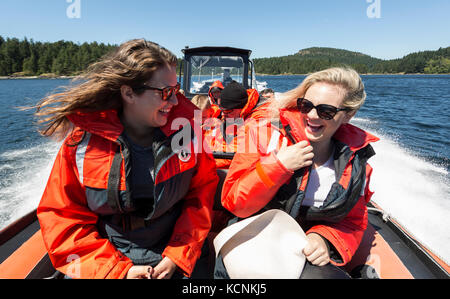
(234,96)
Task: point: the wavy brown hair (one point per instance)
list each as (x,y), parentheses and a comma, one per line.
(132,63)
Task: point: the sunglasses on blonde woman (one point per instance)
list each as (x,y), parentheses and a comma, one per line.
(166,92)
(324,111)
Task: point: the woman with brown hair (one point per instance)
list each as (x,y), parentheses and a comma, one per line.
(120,201)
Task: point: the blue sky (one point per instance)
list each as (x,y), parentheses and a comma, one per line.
(268,28)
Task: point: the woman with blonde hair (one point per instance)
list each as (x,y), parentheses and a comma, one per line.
(203,103)
(120,202)
(313,165)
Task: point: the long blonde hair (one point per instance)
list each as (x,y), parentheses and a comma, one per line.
(132,63)
(345,77)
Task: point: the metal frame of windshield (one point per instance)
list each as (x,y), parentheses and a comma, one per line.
(244,54)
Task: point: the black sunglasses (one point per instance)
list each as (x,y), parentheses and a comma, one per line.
(166,92)
(324,111)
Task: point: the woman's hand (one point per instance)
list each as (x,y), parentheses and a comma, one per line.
(316,251)
(295,156)
(165,269)
(140,272)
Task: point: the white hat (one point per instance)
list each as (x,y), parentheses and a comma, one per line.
(267,246)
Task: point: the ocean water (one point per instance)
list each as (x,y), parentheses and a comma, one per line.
(411,177)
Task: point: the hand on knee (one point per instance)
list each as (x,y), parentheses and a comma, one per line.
(316,251)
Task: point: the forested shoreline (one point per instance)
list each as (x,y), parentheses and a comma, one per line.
(315,59)
(26,58)
(63,58)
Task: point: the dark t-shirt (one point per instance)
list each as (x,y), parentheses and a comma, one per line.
(142,181)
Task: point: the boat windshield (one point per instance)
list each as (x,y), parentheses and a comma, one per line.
(204,70)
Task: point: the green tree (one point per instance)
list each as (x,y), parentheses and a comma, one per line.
(438,66)
(30,65)
(45,62)
(361,68)
(12,55)
(3,68)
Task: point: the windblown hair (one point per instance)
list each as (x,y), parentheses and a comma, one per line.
(132,63)
(201,101)
(344,77)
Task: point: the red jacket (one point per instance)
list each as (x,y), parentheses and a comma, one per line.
(71,207)
(214,110)
(218,84)
(214,129)
(256,176)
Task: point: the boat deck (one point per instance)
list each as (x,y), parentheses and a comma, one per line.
(387,251)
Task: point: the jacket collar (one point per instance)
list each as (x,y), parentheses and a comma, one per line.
(348,134)
(253,98)
(107,123)
(215,84)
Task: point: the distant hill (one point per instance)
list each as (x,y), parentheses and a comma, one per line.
(338,56)
(318,58)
